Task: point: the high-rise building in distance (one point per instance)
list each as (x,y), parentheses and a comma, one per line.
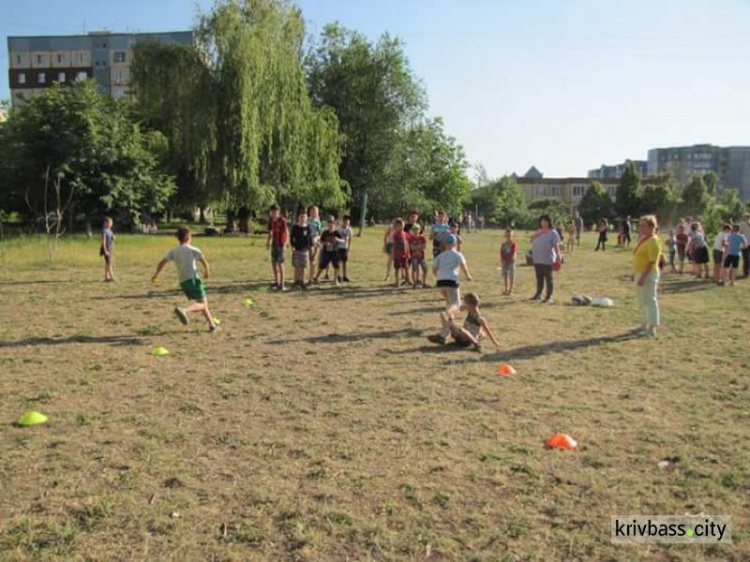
(35,63)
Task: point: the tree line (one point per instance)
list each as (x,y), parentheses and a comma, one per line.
(253,112)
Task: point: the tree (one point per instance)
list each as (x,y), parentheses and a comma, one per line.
(552,206)
(627,197)
(510,205)
(502,202)
(712,183)
(733,204)
(244,114)
(85,145)
(659,199)
(374,95)
(696,200)
(595,204)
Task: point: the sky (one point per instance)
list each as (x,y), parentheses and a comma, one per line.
(564,85)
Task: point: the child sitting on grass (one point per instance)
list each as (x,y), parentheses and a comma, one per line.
(475,326)
(184,257)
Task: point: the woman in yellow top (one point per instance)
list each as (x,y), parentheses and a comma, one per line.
(645,264)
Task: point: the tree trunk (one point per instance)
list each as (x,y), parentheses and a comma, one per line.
(244,222)
(89,229)
(202,215)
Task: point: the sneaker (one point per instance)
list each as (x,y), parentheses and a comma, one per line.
(477,347)
(181,315)
(213,328)
(337,282)
(339,279)
(437,338)
(304,287)
(283,289)
(549,300)
(347,280)
(639,331)
(536,298)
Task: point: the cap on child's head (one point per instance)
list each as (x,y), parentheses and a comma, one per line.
(451,240)
(416,228)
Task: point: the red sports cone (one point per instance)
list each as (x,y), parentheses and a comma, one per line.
(562,441)
(506,370)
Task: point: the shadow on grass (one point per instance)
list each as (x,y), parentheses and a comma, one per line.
(111,340)
(224,289)
(678,285)
(524,352)
(51,282)
(347,338)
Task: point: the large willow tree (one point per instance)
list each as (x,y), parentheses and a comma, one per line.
(236,109)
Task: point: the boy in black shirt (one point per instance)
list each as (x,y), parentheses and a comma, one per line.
(330,256)
(302,236)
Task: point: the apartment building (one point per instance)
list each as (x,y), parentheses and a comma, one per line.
(35,63)
(605,172)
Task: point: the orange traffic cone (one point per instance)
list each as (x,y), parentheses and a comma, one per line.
(506,370)
(562,441)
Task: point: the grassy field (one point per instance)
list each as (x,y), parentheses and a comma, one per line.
(323,426)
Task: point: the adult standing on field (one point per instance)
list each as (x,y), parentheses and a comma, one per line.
(546,252)
(579,227)
(745,231)
(645,265)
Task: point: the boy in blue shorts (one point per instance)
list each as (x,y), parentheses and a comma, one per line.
(184,257)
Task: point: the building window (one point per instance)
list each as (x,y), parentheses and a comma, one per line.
(79,58)
(120,56)
(540,191)
(555,191)
(578,190)
(42,78)
(59,58)
(61,77)
(39,59)
(22,78)
(18,59)
(81,76)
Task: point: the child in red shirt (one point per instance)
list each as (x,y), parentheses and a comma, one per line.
(508,251)
(277,242)
(401,253)
(417,246)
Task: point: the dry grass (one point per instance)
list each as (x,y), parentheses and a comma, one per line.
(325,427)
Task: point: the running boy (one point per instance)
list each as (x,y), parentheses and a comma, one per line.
(508,251)
(277,242)
(447,267)
(475,326)
(401,253)
(302,236)
(184,257)
(345,233)
(329,252)
(417,246)
(735,243)
(107,250)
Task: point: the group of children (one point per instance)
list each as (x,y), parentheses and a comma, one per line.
(688,242)
(311,246)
